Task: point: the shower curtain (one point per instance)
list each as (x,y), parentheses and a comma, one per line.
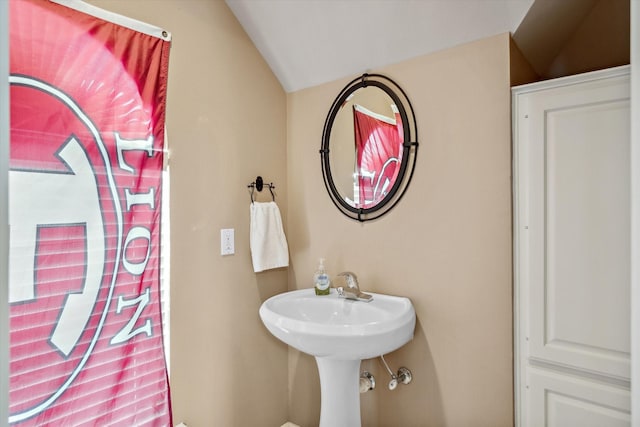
(87,105)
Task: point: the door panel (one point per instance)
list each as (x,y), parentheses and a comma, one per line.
(572,249)
(565,401)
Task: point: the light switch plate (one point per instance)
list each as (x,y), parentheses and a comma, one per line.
(227,241)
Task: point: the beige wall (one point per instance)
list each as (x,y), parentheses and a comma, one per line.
(447,245)
(562,38)
(226,120)
(602,40)
(520,69)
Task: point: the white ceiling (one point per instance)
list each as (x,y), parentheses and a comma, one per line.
(309,42)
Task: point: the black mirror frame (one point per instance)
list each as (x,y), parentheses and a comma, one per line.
(409,151)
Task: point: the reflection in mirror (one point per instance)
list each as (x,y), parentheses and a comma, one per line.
(366,142)
(369,147)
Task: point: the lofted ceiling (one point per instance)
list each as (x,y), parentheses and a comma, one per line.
(310,42)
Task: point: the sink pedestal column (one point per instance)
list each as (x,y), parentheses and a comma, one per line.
(340,392)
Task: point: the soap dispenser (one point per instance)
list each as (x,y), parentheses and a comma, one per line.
(321,279)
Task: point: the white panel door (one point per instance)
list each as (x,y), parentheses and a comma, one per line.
(559,400)
(572,248)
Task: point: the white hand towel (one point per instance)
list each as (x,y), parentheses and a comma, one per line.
(267,240)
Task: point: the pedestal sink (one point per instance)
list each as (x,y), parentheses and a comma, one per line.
(339,333)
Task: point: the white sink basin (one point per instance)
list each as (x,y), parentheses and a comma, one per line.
(339,333)
(337,328)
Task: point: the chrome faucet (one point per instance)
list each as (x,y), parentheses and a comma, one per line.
(346,283)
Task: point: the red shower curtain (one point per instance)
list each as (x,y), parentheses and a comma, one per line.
(378,142)
(87,134)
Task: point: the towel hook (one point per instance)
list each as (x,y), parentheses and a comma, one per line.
(271,187)
(258,184)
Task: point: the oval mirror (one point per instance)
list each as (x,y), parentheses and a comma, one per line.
(369,147)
